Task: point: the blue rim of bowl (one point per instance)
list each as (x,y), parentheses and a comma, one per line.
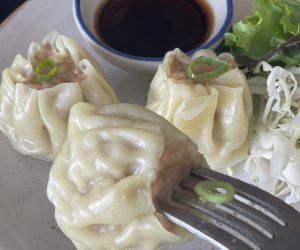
(78,16)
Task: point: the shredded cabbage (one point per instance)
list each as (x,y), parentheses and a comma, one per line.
(274,160)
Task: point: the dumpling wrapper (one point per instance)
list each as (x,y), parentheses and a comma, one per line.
(33,114)
(215,114)
(117,162)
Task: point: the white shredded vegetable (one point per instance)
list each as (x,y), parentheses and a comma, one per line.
(274,160)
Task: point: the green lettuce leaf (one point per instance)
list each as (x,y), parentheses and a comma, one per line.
(272,23)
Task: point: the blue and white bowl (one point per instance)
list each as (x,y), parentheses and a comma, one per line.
(84,13)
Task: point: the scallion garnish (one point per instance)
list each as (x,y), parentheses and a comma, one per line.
(46,70)
(215,191)
(222,67)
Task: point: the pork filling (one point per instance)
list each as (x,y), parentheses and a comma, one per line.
(67,71)
(178,70)
(174,164)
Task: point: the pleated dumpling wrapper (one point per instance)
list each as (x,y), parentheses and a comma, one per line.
(116,163)
(34,108)
(214,113)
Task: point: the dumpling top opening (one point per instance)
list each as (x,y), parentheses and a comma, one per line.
(65,69)
(56,60)
(179,64)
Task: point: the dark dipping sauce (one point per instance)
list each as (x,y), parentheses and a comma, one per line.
(150,28)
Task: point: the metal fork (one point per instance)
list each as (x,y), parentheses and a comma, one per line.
(253,220)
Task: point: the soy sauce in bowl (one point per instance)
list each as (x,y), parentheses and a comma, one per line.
(150,28)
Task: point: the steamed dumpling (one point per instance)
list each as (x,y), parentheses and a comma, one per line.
(116,163)
(34,113)
(215,114)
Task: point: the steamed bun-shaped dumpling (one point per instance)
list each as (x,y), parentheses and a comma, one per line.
(34,111)
(214,113)
(116,163)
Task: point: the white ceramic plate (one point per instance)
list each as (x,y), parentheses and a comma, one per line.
(26,216)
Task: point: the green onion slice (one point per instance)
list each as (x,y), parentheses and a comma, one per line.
(215,191)
(221,69)
(46,70)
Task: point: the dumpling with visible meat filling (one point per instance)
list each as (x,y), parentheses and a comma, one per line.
(116,163)
(36,94)
(215,112)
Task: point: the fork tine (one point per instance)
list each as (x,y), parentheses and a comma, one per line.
(255,195)
(258,218)
(238,226)
(255,216)
(201,228)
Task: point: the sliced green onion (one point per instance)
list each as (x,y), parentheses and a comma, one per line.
(221,69)
(211,191)
(46,70)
